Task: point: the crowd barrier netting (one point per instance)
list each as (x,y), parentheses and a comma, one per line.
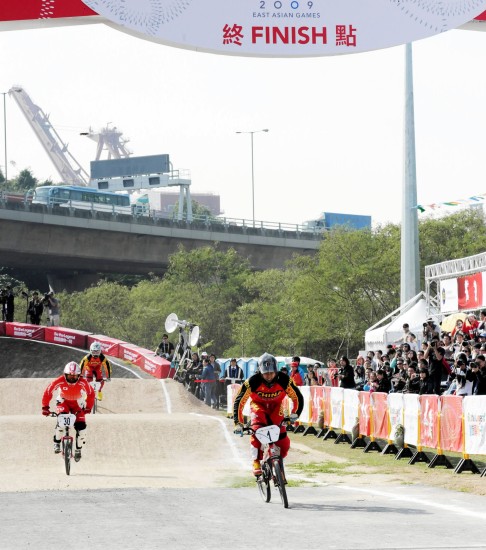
(395,423)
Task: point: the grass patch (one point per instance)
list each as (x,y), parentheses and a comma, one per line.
(326,467)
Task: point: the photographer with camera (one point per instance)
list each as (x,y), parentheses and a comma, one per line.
(35,309)
(52,304)
(430,331)
(435,355)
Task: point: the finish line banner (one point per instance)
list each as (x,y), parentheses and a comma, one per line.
(287,28)
(260,28)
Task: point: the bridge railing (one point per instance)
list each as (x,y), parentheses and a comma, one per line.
(12,201)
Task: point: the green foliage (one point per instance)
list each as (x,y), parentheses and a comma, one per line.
(317,306)
(198,209)
(2,177)
(24,181)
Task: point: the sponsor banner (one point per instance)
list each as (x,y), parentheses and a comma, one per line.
(305,415)
(395,413)
(109,346)
(286,28)
(449,301)
(231,393)
(15,10)
(429,425)
(337,396)
(450,434)
(24,330)
(316,396)
(365,413)
(157,366)
(411,418)
(474,407)
(2,328)
(326,403)
(470,291)
(379,415)
(132,353)
(66,337)
(351,409)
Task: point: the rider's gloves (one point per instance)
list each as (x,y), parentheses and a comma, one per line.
(87,411)
(46,411)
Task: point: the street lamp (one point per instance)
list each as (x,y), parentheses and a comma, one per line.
(5,132)
(252,171)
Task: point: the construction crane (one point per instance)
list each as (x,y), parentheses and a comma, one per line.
(67,166)
(109,140)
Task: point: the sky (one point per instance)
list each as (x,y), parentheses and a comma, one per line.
(335,140)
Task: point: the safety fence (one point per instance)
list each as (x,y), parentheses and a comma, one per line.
(146,359)
(395,423)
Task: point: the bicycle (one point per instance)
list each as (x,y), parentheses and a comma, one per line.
(272,463)
(96,388)
(64,422)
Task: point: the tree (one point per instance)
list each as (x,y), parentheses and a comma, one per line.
(198,210)
(24,181)
(2,177)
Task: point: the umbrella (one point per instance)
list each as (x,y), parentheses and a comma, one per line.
(450,321)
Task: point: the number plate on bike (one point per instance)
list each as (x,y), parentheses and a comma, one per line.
(64,420)
(268,434)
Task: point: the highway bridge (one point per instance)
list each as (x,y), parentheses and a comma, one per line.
(63,242)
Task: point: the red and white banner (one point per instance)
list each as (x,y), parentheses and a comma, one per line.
(450,423)
(156,366)
(109,346)
(25,10)
(316,398)
(66,337)
(474,408)
(326,402)
(470,291)
(24,330)
(132,353)
(429,421)
(365,413)
(463,293)
(379,415)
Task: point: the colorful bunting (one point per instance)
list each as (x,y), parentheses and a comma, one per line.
(471,200)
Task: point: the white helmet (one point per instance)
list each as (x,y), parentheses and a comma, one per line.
(72,369)
(95,348)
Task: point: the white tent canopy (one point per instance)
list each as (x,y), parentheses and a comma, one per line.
(389,333)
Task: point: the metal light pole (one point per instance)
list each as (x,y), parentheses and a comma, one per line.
(5,132)
(252,169)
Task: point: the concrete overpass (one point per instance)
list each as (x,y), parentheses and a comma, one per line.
(62,243)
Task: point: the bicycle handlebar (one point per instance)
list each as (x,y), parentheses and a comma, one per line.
(246,428)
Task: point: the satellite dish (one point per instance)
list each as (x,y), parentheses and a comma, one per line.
(171,323)
(194,336)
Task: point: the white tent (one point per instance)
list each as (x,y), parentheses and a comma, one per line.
(388,333)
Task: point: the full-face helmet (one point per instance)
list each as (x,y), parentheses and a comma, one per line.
(72,372)
(267,363)
(95,349)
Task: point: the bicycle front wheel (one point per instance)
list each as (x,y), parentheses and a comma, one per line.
(263,483)
(280,482)
(68,451)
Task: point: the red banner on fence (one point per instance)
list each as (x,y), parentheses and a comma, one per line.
(156,366)
(132,353)
(429,416)
(327,408)
(109,346)
(364,413)
(450,435)
(66,336)
(24,330)
(316,396)
(379,412)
